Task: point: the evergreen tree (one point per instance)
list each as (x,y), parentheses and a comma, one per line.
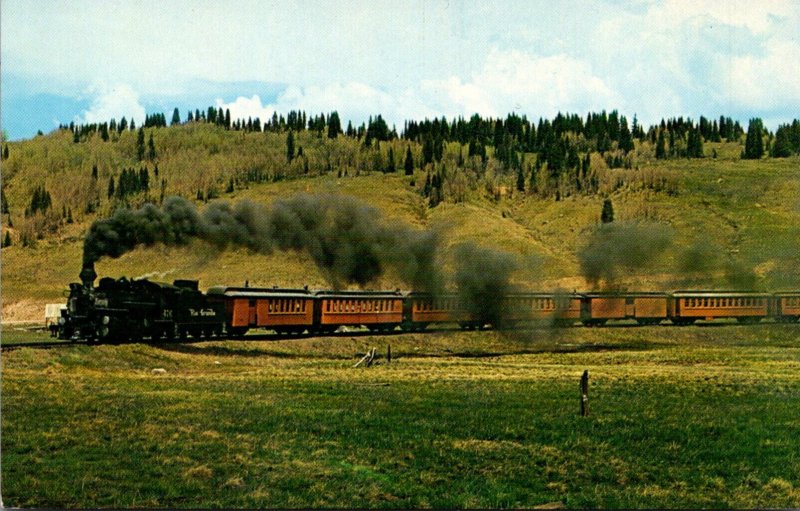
(390,165)
(409,165)
(176,117)
(5,152)
(140,144)
(40,201)
(151,148)
(607,215)
(754,143)
(782,147)
(427,151)
(4,201)
(94,172)
(520,180)
(334,125)
(7,240)
(661,149)
(110,187)
(290,146)
(625,137)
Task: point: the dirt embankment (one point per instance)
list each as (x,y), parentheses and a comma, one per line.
(23,311)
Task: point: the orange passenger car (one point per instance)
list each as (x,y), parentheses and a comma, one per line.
(378,310)
(645,308)
(542,307)
(424,309)
(787,306)
(746,307)
(282,310)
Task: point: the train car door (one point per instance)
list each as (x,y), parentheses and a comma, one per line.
(630,307)
(251,312)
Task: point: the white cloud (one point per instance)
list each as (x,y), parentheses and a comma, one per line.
(656,58)
(244,108)
(517,81)
(113,103)
(353,101)
(765,82)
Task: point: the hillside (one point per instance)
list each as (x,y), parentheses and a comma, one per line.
(717,221)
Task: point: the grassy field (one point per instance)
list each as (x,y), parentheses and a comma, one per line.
(702,416)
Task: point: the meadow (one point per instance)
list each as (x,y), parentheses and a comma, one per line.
(701,416)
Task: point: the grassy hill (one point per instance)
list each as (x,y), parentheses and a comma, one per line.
(727,222)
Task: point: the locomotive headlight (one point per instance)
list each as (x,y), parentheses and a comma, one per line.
(104,331)
(106,319)
(61,321)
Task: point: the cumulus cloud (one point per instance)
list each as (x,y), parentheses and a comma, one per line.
(353,100)
(508,81)
(539,86)
(113,103)
(244,108)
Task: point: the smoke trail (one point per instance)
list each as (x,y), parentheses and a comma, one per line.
(349,241)
(482,276)
(615,248)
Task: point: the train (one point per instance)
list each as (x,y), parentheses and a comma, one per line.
(130,310)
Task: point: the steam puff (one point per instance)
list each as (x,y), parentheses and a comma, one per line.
(614,248)
(349,241)
(483,279)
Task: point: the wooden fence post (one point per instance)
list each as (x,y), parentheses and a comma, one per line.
(388,353)
(585,394)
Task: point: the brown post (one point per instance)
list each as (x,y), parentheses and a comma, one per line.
(585,394)
(388,353)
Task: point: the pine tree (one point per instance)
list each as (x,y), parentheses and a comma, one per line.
(390,165)
(290,146)
(661,149)
(176,117)
(7,240)
(520,180)
(625,137)
(140,144)
(334,125)
(94,172)
(110,187)
(754,143)
(151,148)
(782,147)
(4,201)
(5,152)
(607,215)
(409,165)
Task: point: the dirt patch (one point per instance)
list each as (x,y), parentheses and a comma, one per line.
(24,311)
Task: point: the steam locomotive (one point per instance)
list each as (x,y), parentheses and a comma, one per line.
(130,310)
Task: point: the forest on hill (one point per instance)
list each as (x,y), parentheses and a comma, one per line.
(80,171)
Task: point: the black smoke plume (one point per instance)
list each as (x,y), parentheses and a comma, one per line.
(482,277)
(612,250)
(349,241)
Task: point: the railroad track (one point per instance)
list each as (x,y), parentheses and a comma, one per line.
(39,345)
(348,333)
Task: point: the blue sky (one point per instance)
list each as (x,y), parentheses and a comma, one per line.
(90,61)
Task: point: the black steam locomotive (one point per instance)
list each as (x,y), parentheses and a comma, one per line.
(129,310)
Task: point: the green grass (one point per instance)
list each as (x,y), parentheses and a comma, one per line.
(689,417)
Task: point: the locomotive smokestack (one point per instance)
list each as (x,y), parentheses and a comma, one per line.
(88,275)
